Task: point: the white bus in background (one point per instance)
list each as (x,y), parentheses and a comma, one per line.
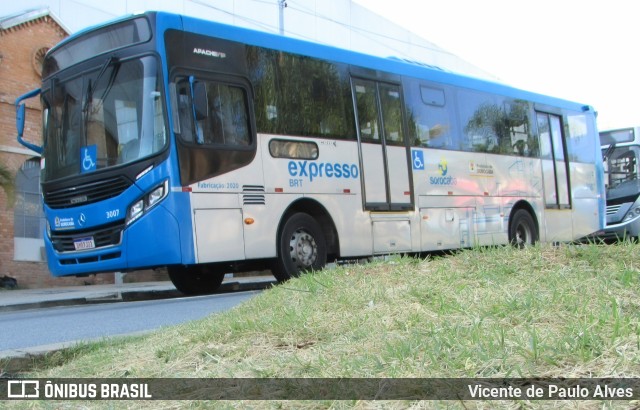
(621,152)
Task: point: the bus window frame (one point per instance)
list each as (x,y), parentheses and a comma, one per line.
(550,112)
(182,76)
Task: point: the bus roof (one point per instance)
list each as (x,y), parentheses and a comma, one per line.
(393,65)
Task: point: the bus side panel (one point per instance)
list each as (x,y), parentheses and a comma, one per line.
(489,221)
(353,225)
(446,222)
(448,173)
(327,171)
(585,205)
(515,179)
(181,203)
(307,165)
(219,235)
(222,233)
(259,235)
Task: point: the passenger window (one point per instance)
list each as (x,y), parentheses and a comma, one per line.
(300,96)
(495,125)
(579,145)
(429,117)
(217,115)
(519,138)
(229,121)
(367,110)
(479,116)
(391,114)
(544,132)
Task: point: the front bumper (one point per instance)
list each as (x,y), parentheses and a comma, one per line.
(621,231)
(151,241)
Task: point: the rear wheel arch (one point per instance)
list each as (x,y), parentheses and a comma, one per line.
(523,225)
(306,239)
(318,212)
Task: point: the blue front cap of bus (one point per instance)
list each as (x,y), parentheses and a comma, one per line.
(101,237)
(136,249)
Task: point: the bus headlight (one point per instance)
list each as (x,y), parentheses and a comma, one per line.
(135,211)
(156,196)
(144,204)
(633,213)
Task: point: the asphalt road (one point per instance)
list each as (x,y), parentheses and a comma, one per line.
(28,329)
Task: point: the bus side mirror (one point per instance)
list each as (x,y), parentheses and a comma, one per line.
(20,119)
(20,109)
(200,102)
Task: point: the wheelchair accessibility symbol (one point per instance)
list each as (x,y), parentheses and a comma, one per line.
(88,157)
(417,157)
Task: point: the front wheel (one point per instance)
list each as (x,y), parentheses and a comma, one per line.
(522,230)
(301,247)
(196,279)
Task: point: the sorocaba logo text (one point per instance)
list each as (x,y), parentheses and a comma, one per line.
(313,170)
(443,179)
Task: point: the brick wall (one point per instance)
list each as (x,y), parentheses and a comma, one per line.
(18,74)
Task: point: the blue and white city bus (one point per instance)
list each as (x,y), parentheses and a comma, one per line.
(174,142)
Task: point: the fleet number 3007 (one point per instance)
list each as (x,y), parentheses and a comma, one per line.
(113,214)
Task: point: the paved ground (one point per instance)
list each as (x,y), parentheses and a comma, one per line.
(11,300)
(23,299)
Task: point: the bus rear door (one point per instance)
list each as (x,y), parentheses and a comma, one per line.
(555,176)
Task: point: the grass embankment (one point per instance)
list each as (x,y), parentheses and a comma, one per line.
(569,311)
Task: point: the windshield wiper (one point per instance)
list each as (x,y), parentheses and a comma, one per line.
(92,86)
(609,151)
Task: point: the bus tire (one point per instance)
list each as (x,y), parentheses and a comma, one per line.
(196,279)
(522,229)
(301,247)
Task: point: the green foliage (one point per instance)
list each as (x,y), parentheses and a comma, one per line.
(7,184)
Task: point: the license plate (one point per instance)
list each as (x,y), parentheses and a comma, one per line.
(84,243)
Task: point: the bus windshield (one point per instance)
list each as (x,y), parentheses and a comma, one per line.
(622,169)
(107,117)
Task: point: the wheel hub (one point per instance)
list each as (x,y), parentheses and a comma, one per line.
(523,236)
(304,250)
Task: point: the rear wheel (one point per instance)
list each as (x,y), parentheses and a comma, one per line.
(301,247)
(195,279)
(522,230)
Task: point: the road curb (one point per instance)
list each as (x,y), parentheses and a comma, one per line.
(114,296)
(43,304)
(14,361)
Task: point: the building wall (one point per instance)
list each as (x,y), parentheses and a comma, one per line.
(19,64)
(340,23)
